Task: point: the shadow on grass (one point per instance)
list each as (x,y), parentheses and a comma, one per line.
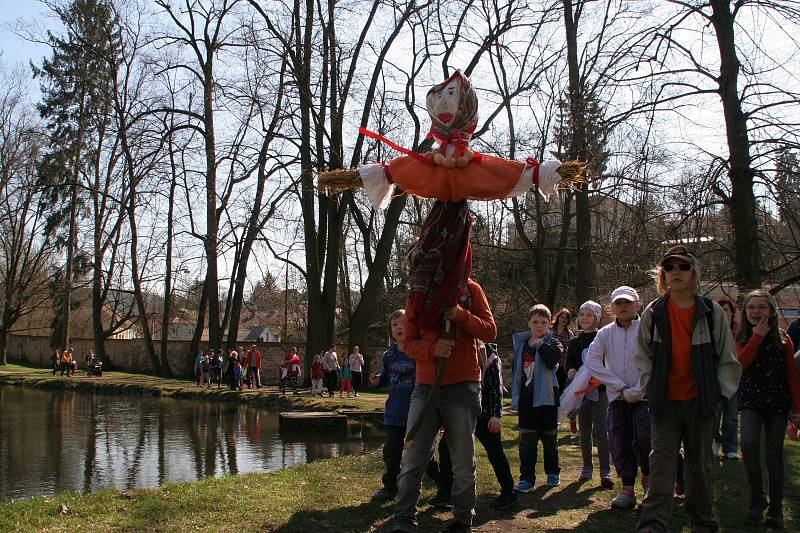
(367,516)
(571,496)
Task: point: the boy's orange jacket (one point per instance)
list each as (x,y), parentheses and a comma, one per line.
(476,323)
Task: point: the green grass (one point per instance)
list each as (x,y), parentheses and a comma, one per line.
(333,495)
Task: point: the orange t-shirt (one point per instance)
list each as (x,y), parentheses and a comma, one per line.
(681,384)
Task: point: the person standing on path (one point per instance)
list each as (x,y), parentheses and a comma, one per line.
(330,364)
(687,361)
(456,408)
(611,358)
(356,367)
(55,359)
(66,361)
(563,335)
(317,373)
(770,387)
(592,412)
(254,368)
(726,425)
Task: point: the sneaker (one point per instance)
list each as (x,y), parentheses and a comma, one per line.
(355,395)
(573,426)
(441,500)
(680,490)
(755,511)
(524,486)
(606,482)
(733,456)
(457,527)
(505,501)
(553,480)
(586,474)
(774,519)
(623,500)
(384,495)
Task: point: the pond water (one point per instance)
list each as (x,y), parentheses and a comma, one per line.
(54,440)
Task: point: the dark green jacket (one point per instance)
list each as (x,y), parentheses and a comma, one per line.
(714,363)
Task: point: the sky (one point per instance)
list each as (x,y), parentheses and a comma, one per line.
(15,49)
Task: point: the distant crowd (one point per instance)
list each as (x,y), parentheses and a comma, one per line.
(67,364)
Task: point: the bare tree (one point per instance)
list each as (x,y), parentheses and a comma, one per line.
(25,248)
(742,75)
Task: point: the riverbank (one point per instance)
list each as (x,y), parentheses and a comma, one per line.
(334,496)
(146,385)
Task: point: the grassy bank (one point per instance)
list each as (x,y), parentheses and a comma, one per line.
(146,385)
(333,495)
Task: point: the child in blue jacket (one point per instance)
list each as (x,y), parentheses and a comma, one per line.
(534,394)
(399,372)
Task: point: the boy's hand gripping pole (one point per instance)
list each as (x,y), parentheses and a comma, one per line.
(433,394)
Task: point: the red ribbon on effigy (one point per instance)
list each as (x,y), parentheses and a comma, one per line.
(378,137)
(531,162)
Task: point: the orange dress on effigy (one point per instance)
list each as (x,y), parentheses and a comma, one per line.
(484,178)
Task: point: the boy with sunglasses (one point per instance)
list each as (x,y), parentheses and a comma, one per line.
(687,361)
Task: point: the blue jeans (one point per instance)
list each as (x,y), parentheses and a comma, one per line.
(728,416)
(456,409)
(773,427)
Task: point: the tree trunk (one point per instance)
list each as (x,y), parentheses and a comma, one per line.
(69,270)
(197,337)
(742,203)
(212,273)
(137,285)
(254,224)
(3,346)
(557,273)
(578,150)
(366,311)
(164,347)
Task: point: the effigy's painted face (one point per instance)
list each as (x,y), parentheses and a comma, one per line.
(443,105)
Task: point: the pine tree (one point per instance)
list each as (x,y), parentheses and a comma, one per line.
(76,83)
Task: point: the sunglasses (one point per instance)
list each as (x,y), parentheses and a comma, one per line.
(684,267)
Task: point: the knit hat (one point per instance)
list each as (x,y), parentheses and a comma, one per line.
(594,307)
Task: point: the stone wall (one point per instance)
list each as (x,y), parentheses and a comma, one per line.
(129,355)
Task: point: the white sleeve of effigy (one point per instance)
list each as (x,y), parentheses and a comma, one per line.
(379,190)
(548,179)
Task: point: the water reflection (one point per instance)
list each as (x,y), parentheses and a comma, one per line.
(51,441)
